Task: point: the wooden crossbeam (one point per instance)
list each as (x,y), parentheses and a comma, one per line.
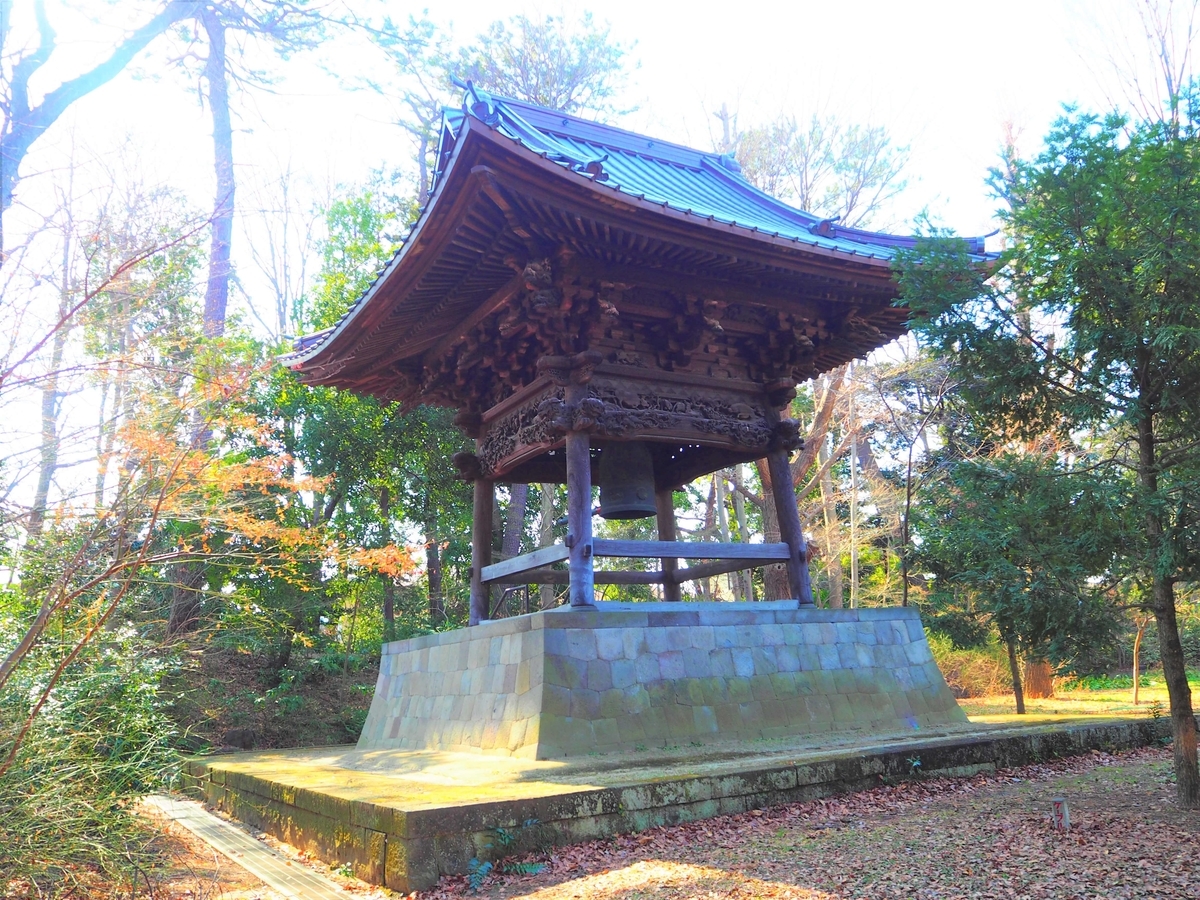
(717,567)
(689,550)
(523,563)
(530,568)
(560,576)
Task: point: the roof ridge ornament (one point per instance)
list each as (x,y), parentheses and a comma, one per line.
(825,228)
(481,104)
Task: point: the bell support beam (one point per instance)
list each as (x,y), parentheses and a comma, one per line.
(664,502)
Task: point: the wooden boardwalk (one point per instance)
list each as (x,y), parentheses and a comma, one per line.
(288,878)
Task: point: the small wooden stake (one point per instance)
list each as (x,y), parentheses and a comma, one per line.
(1061,815)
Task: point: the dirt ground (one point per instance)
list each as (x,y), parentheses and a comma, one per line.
(984,837)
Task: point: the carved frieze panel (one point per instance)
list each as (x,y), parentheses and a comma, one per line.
(627,409)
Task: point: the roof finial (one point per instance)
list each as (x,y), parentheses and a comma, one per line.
(479,105)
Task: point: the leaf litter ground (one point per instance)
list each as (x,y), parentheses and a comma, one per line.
(984,837)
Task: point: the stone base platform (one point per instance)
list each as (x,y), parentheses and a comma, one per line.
(403,818)
(637,676)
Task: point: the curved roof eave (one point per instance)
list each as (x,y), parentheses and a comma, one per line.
(471,127)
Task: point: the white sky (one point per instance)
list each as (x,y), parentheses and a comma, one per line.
(943,77)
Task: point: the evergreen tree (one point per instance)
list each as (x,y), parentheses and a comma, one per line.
(1092,321)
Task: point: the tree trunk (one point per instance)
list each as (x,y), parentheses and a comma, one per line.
(48,453)
(389,584)
(187,579)
(1015,670)
(546,538)
(433,572)
(216,295)
(775,580)
(514,521)
(1183,721)
(1039,679)
(833,550)
(739,514)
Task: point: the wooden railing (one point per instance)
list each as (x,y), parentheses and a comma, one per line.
(533,568)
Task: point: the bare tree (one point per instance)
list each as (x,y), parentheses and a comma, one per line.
(826,166)
(26,120)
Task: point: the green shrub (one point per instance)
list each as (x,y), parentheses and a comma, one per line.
(99,743)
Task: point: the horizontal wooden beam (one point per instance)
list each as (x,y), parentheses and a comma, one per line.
(689,550)
(559,576)
(523,563)
(717,567)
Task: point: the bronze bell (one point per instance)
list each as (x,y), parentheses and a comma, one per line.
(626,480)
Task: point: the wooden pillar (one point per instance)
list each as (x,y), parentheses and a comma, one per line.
(790,529)
(665,503)
(579,520)
(481,548)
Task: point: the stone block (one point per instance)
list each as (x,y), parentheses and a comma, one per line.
(783,685)
(752,718)
(761,687)
(720,662)
(606,733)
(787,658)
(612,704)
(686,692)
(623,673)
(647,668)
(811,633)
(848,656)
(764,660)
(656,641)
(634,641)
(599,675)
(556,700)
(695,663)
(631,730)
(670,664)
(843,710)
(739,690)
(918,653)
(581,643)
(770,635)
(566,671)
(702,637)
(610,643)
(828,658)
(704,720)
(743,662)
(585,704)
(714,691)
(724,636)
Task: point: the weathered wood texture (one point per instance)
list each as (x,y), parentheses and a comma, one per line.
(690,550)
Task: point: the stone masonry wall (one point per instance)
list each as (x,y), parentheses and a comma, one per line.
(634,676)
